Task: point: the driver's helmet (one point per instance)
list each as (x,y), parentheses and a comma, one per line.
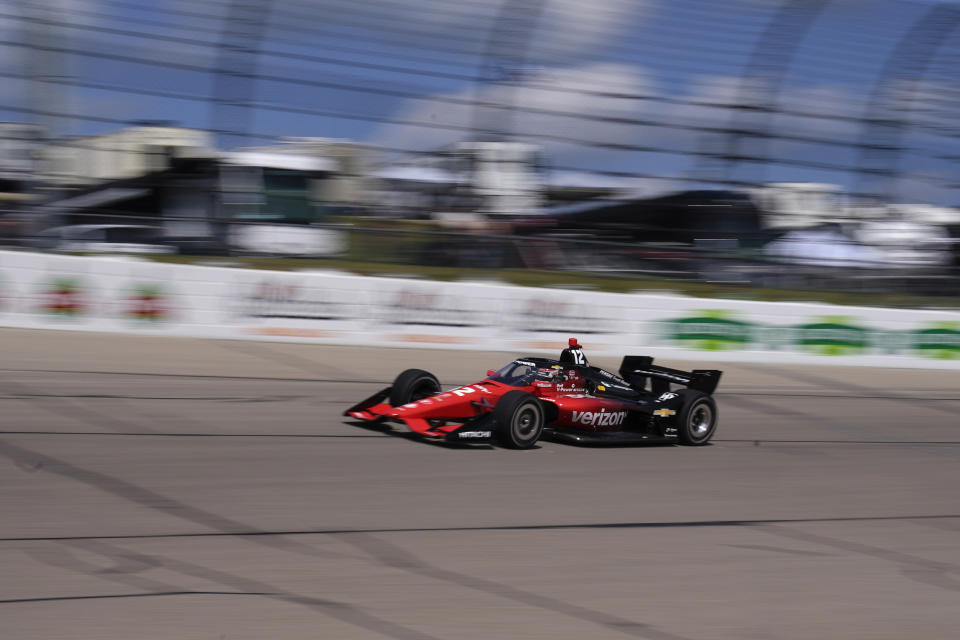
(546,373)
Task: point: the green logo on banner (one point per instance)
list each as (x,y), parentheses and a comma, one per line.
(711,330)
(720,330)
(941,341)
(832,336)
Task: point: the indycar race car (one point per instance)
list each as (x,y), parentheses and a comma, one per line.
(564,400)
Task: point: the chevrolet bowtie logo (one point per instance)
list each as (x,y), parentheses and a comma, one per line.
(664,413)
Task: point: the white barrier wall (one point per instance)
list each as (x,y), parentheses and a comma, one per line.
(133,296)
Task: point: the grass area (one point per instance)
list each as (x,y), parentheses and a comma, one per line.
(573,280)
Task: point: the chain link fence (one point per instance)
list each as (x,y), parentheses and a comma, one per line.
(615,101)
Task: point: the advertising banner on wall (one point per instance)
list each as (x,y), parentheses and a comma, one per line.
(132,295)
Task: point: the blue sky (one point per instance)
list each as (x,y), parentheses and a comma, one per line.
(634,87)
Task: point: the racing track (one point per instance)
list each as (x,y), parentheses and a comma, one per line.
(170,488)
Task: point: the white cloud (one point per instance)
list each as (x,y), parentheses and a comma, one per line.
(571,90)
(576,26)
(708,102)
(712,102)
(562,27)
(588,91)
(24,26)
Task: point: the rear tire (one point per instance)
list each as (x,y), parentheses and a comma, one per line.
(519,418)
(698,418)
(412,385)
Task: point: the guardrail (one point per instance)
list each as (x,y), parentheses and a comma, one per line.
(127,295)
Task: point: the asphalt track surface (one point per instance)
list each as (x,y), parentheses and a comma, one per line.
(203,489)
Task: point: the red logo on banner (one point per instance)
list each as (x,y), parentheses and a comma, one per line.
(64,297)
(148,303)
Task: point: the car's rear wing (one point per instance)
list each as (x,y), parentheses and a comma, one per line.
(638,369)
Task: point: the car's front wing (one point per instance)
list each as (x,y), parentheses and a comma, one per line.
(375,410)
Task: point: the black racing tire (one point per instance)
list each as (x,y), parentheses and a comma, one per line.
(519,419)
(697,421)
(411,385)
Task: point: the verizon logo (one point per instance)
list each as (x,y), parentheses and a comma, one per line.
(602,418)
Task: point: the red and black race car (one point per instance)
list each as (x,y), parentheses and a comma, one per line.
(564,400)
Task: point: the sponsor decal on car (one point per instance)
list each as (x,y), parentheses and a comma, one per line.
(602,418)
(462,391)
(414,404)
(664,413)
(474,434)
(614,380)
(669,395)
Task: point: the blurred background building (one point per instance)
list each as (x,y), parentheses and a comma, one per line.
(769,142)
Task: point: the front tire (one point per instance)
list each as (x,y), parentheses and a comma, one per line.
(519,418)
(698,418)
(412,385)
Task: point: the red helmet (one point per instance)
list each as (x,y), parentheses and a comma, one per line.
(573,342)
